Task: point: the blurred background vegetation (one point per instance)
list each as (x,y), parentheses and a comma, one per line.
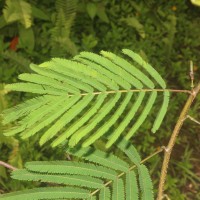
(165,33)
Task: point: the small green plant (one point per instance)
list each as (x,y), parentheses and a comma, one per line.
(80,102)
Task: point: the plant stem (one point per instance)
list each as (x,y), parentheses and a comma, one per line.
(136,90)
(131,168)
(172,140)
(7,165)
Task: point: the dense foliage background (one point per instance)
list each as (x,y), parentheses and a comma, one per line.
(165,33)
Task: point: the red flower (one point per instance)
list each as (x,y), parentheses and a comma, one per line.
(13,43)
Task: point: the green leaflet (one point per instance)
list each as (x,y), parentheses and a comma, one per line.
(100,157)
(131,186)
(48,69)
(145,183)
(22,109)
(129,150)
(40,113)
(77,76)
(34,88)
(92,139)
(14,130)
(100,63)
(78,168)
(43,80)
(88,60)
(76,125)
(104,194)
(66,118)
(107,77)
(76,70)
(147,66)
(103,129)
(72,84)
(143,115)
(129,68)
(118,190)
(92,123)
(115,135)
(72,180)
(162,112)
(47,193)
(51,117)
(36,116)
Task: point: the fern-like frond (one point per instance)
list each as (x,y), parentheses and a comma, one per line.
(87,98)
(60,34)
(104,175)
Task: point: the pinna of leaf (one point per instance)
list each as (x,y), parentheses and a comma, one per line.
(80,100)
(105,176)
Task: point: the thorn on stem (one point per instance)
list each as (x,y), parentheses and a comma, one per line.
(192,119)
(165,149)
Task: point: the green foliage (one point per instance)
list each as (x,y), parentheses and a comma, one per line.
(101,176)
(60,34)
(169,45)
(85,90)
(18,10)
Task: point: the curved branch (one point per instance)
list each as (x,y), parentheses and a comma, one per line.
(6,165)
(172,140)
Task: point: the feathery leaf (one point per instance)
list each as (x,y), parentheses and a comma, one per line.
(103,174)
(99,98)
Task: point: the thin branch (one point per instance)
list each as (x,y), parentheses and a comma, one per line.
(172,140)
(4,164)
(135,90)
(131,168)
(192,119)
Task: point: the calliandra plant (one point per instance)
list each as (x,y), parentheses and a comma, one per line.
(80,101)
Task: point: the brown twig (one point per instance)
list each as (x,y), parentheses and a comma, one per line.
(172,140)
(4,164)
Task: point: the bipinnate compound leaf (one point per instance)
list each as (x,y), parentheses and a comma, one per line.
(87,98)
(103,176)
